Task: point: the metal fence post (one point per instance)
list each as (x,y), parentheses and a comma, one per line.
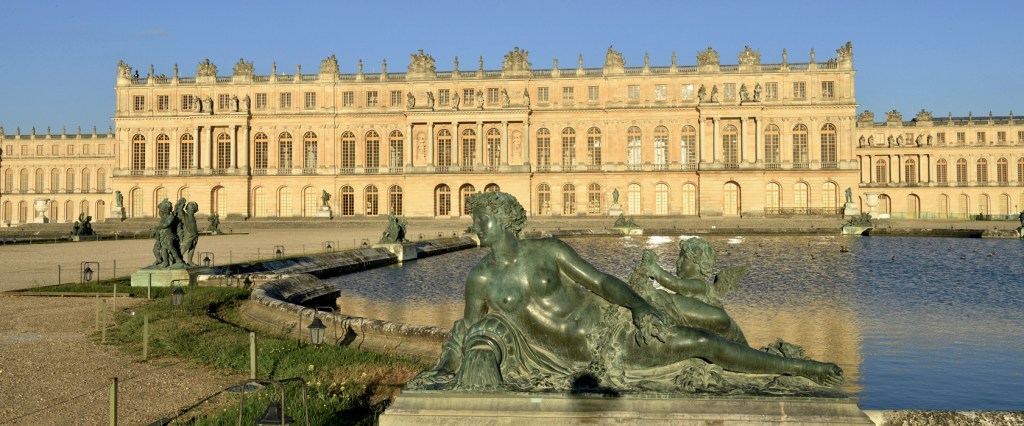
(113,402)
(252,355)
(145,337)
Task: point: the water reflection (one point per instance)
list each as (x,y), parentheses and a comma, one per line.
(915,323)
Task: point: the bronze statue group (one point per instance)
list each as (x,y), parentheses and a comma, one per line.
(176,235)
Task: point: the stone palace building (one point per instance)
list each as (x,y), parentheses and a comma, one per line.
(749,139)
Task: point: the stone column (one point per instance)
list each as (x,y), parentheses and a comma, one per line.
(196,151)
(927,164)
(456,145)
(407,149)
(526,141)
(233,158)
(758,142)
(175,153)
(504,143)
(714,138)
(207,159)
(430,144)
(480,142)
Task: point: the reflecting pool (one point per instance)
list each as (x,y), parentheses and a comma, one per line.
(916,323)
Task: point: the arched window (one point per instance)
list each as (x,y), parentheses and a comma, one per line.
(594,148)
(135,201)
(731,200)
(1004,204)
(159,195)
(828,146)
(285,153)
(348,201)
(86,180)
(54,180)
(543,150)
(913,206)
(661,148)
(941,174)
(594,198)
(223,151)
(69,181)
(730,146)
(395,200)
(568,149)
(163,153)
(444,150)
(634,148)
(101,211)
(7,213)
(568,199)
(465,192)
(84,208)
(310,202)
(964,207)
(943,206)
(910,171)
(284,202)
(396,152)
(348,152)
(9,180)
(830,196)
(101,180)
(661,199)
(800,146)
(1020,171)
(23,212)
(772,136)
(689,199)
(310,143)
(260,154)
(442,200)
(187,152)
(259,202)
(633,199)
(1002,171)
(40,181)
(493,148)
(69,211)
(543,199)
(184,192)
(23,181)
(371,152)
(138,154)
(372,201)
(773,198)
(881,171)
(468,149)
(983,205)
(492,187)
(982,171)
(800,197)
(961,171)
(689,145)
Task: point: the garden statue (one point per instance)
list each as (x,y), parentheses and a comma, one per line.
(325,197)
(540,318)
(213,224)
(625,222)
(395,232)
(188,232)
(615,196)
(118,200)
(83,226)
(849,195)
(166,249)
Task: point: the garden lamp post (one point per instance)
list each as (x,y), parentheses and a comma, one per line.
(316,331)
(89,271)
(273,415)
(278,252)
(177,295)
(208,258)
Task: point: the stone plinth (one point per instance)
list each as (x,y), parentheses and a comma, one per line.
(324,211)
(404,251)
(851,210)
(615,210)
(629,230)
(117,213)
(162,277)
(420,408)
(856,230)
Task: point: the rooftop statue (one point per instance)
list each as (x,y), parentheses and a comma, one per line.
(539,318)
(516,60)
(613,60)
(707,57)
(749,56)
(395,232)
(206,69)
(421,63)
(329,65)
(243,68)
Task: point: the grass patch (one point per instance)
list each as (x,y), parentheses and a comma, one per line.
(346,385)
(124,285)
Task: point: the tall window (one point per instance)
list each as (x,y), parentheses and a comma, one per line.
(220,201)
(444,150)
(309,202)
(568,199)
(828,146)
(633,199)
(371,98)
(396,149)
(910,171)
(773,198)
(799,90)
(800,146)
(493,148)
(163,102)
(310,100)
(348,152)
(134,200)
(101,180)
(982,171)
(163,153)
(223,151)
(633,146)
(465,192)
(689,146)
(348,98)
(594,147)
(828,89)
(594,198)
(286,101)
(661,148)
(395,200)
(800,197)
(259,202)
(348,201)
(633,93)
(223,102)
(372,152)
(568,149)
(1020,171)
(442,200)
(139,103)
(492,95)
(309,152)
(138,154)
(689,199)
(593,93)
(830,195)
(261,153)
(54,180)
(86,181)
(568,94)
(284,202)
(881,171)
(941,175)
(187,152)
(543,149)
(543,199)
(468,149)
(1002,169)
(41,180)
(187,102)
(961,171)
(771,147)
(660,92)
(372,201)
(730,146)
(261,103)
(469,96)
(731,199)
(284,151)
(661,199)
(9,180)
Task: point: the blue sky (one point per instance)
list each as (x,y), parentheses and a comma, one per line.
(60,58)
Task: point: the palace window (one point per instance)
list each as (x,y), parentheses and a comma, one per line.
(543,199)
(442,200)
(594,147)
(828,146)
(689,199)
(396,149)
(567,94)
(1002,169)
(348,98)
(284,151)
(633,199)
(660,92)
(466,191)
(771,91)
(543,150)
(686,93)
(348,152)
(261,152)
(941,175)
(444,97)
(773,197)
(542,94)
(372,152)
(729,91)
(568,199)
(188,102)
(688,139)
(828,89)
(372,201)
(284,202)
(910,171)
(981,171)
(309,154)
(961,171)
(1001,137)
(163,152)
(395,200)
(799,90)
(286,101)
(800,197)
(771,146)
(981,137)
(568,149)
(633,147)
(661,199)
(493,148)
(139,103)
(730,146)
(396,98)
(493,96)
(223,151)
(881,171)
(633,93)
(261,103)
(468,149)
(661,148)
(444,150)
(223,102)
(1020,170)
(1020,136)
(348,201)
(259,202)
(829,195)
(594,198)
(138,153)
(800,146)
(310,100)
(940,138)
(187,152)
(163,102)
(961,138)
(371,98)
(469,97)
(593,93)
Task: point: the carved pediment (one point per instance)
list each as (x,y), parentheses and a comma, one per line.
(123,70)
(707,57)
(421,63)
(206,69)
(923,115)
(748,56)
(329,65)
(242,68)
(845,53)
(613,61)
(893,117)
(516,61)
(866,117)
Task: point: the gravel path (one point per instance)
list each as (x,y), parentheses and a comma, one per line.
(52,373)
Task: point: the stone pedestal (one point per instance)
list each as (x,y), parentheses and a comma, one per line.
(117,213)
(421,408)
(324,211)
(163,277)
(615,210)
(404,251)
(856,230)
(629,230)
(851,210)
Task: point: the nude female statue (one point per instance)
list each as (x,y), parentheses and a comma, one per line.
(536,314)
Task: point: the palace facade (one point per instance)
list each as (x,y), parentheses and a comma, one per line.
(747,139)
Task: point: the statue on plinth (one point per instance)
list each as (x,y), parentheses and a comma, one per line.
(213,224)
(166,249)
(539,317)
(625,222)
(395,232)
(118,200)
(188,231)
(82,227)
(324,198)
